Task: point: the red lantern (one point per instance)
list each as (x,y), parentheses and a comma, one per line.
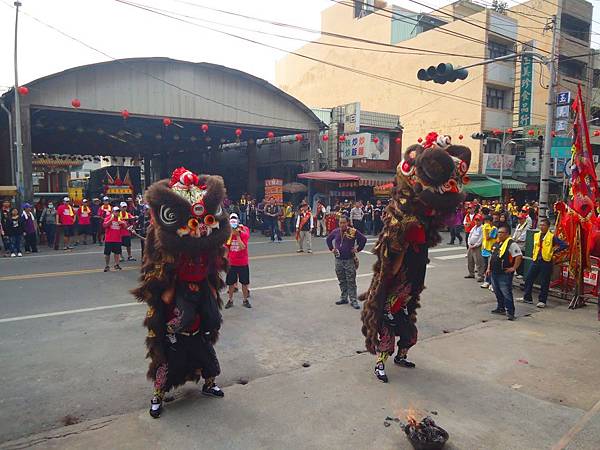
(342,138)
(325,137)
(238,132)
(420,140)
(496,131)
(375,139)
(531,132)
(270,135)
(397,140)
(299,137)
(23,90)
(167,121)
(509,130)
(125,114)
(460,137)
(597,133)
(75,103)
(204,128)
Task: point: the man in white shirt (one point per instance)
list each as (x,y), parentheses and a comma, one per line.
(474,257)
(356,216)
(519,235)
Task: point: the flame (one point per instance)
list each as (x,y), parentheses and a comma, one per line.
(413,416)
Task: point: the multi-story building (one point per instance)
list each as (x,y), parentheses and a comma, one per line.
(497,96)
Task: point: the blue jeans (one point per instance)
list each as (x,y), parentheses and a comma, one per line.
(15,244)
(542,269)
(243,218)
(502,283)
(486,260)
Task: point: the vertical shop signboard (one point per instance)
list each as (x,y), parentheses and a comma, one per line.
(526,89)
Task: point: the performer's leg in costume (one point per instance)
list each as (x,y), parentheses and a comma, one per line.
(408,338)
(385,349)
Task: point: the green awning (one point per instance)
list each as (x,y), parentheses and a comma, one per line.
(483,187)
(509,183)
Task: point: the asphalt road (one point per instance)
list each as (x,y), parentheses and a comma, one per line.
(72,341)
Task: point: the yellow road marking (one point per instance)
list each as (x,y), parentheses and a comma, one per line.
(30,276)
(69,273)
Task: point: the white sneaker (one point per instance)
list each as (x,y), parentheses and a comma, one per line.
(19,254)
(485,285)
(541,305)
(12,255)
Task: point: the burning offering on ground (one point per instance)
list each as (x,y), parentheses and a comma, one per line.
(424,434)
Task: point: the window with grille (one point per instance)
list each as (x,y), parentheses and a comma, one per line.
(496,98)
(495,49)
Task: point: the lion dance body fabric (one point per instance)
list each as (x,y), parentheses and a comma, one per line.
(428,188)
(181,280)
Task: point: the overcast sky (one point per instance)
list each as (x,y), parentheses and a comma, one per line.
(122,31)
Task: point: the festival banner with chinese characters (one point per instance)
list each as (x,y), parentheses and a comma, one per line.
(274,189)
(525,91)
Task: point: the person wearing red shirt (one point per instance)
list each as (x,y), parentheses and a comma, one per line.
(126,233)
(65,220)
(84,220)
(104,210)
(237,246)
(113,231)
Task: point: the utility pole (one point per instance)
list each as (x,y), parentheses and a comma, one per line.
(18,138)
(551,107)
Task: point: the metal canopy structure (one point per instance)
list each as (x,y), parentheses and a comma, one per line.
(188,94)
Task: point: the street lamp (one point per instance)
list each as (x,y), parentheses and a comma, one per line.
(18,137)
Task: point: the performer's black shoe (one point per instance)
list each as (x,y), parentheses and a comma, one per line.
(106,269)
(498,311)
(118,267)
(213,391)
(229,304)
(155,407)
(247,304)
(341,302)
(402,361)
(380,372)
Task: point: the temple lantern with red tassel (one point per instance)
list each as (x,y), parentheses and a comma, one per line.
(204,127)
(509,130)
(597,133)
(238,132)
(325,137)
(270,135)
(397,140)
(531,132)
(342,138)
(375,140)
(75,103)
(299,137)
(125,114)
(23,90)
(167,121)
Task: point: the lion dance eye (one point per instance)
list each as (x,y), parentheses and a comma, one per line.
(209,220)
(167,215)
(192,224)
(406,168)
(198,209)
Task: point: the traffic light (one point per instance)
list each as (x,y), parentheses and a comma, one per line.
(444,72)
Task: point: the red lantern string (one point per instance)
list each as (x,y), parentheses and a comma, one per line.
(420,140)
(342,138)
(460,137)
(597,133)
(375,139)
(531,132)
(270,135)
(125,114)
(397,140)
(23,90)
(299,137)
(204,127)
(238,132)
(509,130)
(75,103)
(325,137)
(167,121)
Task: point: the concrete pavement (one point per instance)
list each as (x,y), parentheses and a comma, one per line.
(495,384)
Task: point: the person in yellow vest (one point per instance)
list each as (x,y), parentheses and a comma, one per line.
(544,246)
(504,262)
(490,233)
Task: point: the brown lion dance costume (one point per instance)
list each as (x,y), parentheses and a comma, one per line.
(428,189)
(181,280)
